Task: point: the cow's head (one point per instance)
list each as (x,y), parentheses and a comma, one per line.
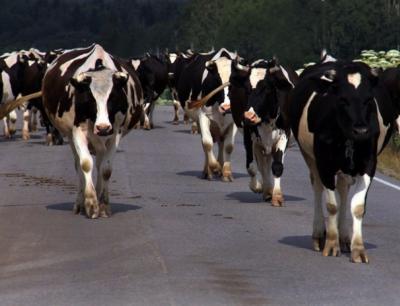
(218,73)
(99,97)
(260,86)
(350,89)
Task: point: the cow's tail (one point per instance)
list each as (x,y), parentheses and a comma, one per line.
(203,101)
(7,107)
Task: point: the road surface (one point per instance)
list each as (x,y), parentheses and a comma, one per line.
(175,239)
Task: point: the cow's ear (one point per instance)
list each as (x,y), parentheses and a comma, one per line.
(211,65)
(120,78)
(81,82)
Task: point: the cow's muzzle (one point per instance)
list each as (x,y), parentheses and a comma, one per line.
(103,130)
(251,118)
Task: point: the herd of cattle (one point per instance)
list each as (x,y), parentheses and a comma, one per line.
(341,113)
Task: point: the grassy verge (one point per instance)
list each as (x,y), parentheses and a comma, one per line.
(389,159)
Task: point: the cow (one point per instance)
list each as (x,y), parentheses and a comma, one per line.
(153,75)
(12,67)
(93,99)
(23,76)
(203,94)
(258,94)
(341,117)
(176,63)
(391,80)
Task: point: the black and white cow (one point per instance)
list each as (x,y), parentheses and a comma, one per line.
(342,117)
(12,66)
(203,93)
(258,94)
(177,62)
(391,80)
(93,99)
(153,75)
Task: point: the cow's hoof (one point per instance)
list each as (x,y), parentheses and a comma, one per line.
(345,244)
(358,254)
(175,121)
(77,209)
(227,178)
(319,242)
(267,196)
(277,200)
(49,140)
(332,247)
(92,209)
(256,187)
(206,176)
(26,137)
(105,210)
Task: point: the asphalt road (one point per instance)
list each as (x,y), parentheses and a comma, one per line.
(175,239)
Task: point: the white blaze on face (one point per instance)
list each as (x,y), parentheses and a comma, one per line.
(354,79)
(101,87)
(135,64)
(224,67)
(173,57)
(256,75)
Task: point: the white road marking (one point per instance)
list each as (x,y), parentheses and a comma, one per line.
(386,183)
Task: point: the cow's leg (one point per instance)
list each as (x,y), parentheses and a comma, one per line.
(151,114)
(319,232)
(176,112)
(228,145)
(104,171)
(6,127)
(33,122)
(251,164)
(211,165)
(343,187)
(195,128)
(85,168)
(332,245)
(25,126)
(263,162)
(146,121)
(358,200)
(79,203)
(277,169)
(10,124)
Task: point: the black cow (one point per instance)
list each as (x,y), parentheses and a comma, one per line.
(176,63)
(153,75)
(258,94)
(391,80)
(342,117)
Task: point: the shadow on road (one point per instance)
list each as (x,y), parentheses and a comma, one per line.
(251,197)
(305,242)
(200,173)
(116,208)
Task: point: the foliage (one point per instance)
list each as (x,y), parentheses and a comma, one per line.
(294,30)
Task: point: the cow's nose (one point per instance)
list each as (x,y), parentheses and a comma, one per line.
(360,130)
(103,129)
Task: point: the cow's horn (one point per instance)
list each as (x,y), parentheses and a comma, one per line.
(242,68)
(274,69)
(8,107)
(203,101)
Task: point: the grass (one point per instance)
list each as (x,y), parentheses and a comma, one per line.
(389,159)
